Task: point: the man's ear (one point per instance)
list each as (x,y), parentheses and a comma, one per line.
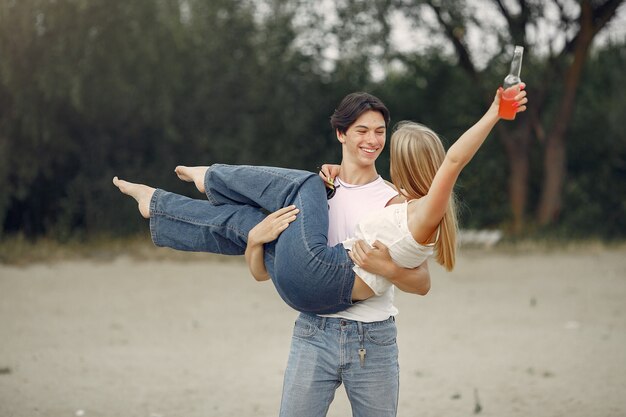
(340,136)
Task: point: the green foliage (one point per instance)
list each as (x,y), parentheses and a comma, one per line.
(595,193)
(93,89)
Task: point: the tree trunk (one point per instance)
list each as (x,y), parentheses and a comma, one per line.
(554,175)
(554,155)
(517,150)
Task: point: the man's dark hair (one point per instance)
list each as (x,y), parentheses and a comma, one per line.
(353,106)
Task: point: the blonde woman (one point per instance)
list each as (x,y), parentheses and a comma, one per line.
(289,246)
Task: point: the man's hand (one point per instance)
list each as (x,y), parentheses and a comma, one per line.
(377,260)
(328,173)
(272,226)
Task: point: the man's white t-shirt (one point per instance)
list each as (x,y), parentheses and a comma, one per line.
(345,209)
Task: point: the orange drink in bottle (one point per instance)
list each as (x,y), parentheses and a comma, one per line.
(507,99)
(511,86)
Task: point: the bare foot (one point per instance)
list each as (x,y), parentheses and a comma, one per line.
(141,193)
(192,174)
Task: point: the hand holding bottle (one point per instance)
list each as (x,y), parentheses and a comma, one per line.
(515,101)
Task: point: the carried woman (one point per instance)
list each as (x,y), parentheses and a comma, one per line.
(289,245)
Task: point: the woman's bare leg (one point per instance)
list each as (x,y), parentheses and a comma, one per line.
(141,193)
(192,174)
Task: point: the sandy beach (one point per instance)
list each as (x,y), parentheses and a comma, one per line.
(508,333)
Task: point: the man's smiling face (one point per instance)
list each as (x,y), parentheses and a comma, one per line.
(365,138)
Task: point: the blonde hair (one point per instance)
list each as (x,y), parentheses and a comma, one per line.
(416,155)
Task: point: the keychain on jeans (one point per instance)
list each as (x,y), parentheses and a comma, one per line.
(362,353)
(362,350)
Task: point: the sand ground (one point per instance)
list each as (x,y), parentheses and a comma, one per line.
(506,334)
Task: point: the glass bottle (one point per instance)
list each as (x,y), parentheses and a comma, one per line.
(507,109)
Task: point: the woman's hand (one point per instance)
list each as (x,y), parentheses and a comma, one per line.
(520,98)
(272,226)
(328,173)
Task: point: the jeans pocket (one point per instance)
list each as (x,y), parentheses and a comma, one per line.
(304,329)
(382,335)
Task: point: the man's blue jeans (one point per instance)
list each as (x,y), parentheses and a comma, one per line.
(325,353)
(308,275)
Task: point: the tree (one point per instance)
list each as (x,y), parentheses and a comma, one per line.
(93,89)
(596,183)
(552,86)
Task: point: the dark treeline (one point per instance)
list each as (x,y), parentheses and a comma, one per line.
(93,89)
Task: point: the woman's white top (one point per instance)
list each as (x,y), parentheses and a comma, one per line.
(389,226)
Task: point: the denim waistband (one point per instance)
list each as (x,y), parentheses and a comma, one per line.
(322,322)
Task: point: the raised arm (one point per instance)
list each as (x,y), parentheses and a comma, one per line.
(266,231)
(431,208)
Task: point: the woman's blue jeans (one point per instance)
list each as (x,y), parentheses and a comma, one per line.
(309,275)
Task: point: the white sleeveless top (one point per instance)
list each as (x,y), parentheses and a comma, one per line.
(389,226)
